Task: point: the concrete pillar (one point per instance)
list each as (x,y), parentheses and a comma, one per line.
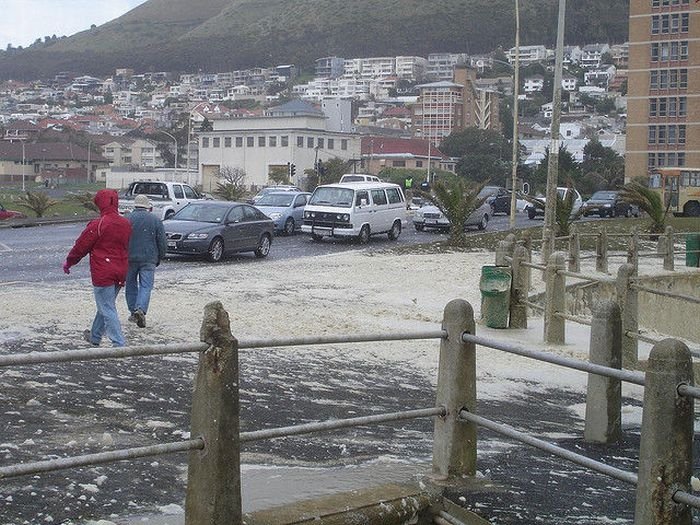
(555,300)
(604,396)
(214,474)
(633,249)
(574,251)
(666,448)
(501,253)
(454,445)
(547,244)
(601,251)
(519,289)
(527,244)
(628,301)
(668,249)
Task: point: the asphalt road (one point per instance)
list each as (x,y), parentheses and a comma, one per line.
(36,254)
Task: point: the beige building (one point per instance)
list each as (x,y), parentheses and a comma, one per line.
(663,108)
(126,151)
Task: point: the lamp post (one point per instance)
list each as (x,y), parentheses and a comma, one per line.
(88,160)
(175,140)
(516,88)
(23,165)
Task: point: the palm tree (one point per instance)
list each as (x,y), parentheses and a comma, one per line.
(649,202)
(39,203)
(564,214)
(86,200)
(456,199)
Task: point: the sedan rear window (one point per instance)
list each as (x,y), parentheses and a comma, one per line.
(213,213)
(275,199)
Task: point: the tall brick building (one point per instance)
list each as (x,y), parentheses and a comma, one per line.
(663,104)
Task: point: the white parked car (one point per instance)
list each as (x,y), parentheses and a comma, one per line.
(430,216)
(535,211)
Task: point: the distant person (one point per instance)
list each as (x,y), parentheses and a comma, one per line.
(146,250)
(107,241)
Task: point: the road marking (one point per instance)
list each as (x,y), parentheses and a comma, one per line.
(4,247)
(10,283)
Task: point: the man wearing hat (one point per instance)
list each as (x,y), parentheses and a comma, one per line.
(146,249)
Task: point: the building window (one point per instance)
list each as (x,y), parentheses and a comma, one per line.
(285,141)
(319,143)
(205,142)
(300,142)
(273,142)
(310,142)
(216,142)
(398,163)
(227,142)
(344,144)
(261,142)
(653,107)
(250,142)
(652,135)
(331,144)
(239,142)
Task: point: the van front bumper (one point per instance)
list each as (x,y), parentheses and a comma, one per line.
(329,230)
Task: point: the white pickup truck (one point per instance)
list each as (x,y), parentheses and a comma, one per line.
(166,197)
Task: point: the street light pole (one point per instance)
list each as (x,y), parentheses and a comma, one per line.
(516,88)
(175,140)
(24,163)
(88,161)
(428,179)
(553,166)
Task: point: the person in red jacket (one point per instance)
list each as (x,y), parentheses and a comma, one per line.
(107,241)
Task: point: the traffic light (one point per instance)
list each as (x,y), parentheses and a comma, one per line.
(292,170)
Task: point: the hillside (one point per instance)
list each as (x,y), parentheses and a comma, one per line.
(217,35)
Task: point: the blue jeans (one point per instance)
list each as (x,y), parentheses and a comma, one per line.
(107,319)
(139,283)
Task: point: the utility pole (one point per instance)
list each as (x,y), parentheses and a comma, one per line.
(553,166)
(516,89)
(88,160)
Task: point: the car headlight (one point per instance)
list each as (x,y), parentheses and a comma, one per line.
(275,216)
(309,214)
(197,236)
(419,214)
(343,217)
(607,205)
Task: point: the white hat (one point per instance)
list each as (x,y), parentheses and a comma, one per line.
(141,201)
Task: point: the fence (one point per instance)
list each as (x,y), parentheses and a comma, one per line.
(627,285)
(214,483)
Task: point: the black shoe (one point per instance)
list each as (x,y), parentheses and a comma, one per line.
(140,318)
(132,317)
(87,335)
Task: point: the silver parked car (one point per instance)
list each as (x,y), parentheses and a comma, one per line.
(285,208)
(431,217)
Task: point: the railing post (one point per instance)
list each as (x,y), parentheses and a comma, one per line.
(519,289)
(633,249)
(668,249)
(527,244)
(601,251)
(454,445)
(555,300)
(547,244)
(214,474)
(501,253)
(666,447)
(604,395)
(574,250)
(629,305)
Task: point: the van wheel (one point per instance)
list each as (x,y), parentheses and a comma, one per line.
(364,235)
(289,227)
(531,213)
(395,231)
(316,237)
(216,250)
(264,247)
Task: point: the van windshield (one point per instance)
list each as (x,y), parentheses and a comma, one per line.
(340,197)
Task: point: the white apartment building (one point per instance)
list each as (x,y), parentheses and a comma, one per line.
(569,82)
(295,134)
(441,65)
(533,84)
(132,152)
(593,54)
(528,54)
(411,68)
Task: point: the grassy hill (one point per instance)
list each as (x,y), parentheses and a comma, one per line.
(218,35)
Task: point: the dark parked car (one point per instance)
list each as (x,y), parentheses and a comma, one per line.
(497,197)
(608,204)
(10,214)
(218,228)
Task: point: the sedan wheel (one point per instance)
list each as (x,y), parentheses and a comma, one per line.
(419,227)
(484,222)
(216,250)
(289,226)
(395,231)
(264,247)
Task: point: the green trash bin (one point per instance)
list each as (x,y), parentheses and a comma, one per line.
(692,250)
(495,295)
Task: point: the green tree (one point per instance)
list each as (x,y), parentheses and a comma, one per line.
(602,168)
(39,203)
(231,183)
(279,175)
(568,169)
(484,154)
(649,201)
(456,199)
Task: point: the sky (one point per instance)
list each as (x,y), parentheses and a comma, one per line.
(23,21)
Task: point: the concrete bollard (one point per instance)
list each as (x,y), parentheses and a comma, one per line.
(574,251)
(604,395)
(555,300)
(214,474)
(548,244)
(519,289)
(501,253)
(633,249)
(629,305)
(666,448)
(527,244)
(668,249)
(601,251)
(454,444)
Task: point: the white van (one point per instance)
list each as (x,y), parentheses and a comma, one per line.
(355,209)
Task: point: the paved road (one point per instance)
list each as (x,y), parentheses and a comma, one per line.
(36,254)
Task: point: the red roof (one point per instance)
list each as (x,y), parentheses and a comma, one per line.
(393,146)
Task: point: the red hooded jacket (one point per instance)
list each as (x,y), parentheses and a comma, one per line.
(106,240)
